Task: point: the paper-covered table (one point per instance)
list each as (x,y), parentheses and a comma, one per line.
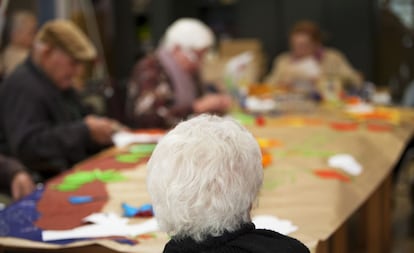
(302,184)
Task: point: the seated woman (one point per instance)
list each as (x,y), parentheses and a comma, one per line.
(308,62)
(203,179)
(165,87)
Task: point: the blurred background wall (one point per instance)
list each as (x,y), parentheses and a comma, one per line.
(375,35)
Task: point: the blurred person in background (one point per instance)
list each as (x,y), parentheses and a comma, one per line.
(42,122)
(203,178)
(15,181)
(165,87)
(308,61)
(23,26)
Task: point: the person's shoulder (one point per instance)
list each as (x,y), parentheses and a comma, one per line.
(283,57)
(333,53)
(284,243)
(20,80)
(20,73)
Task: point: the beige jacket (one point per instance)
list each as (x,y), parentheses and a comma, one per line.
(332,63)
(12,57)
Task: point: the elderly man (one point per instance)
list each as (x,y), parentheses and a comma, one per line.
(165,87)
(42,122)
(203,179)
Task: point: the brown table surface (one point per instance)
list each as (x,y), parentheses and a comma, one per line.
(291,190)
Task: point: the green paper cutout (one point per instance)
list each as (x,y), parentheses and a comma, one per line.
(66,187)
(144,149)
(128,158)
(109,176)
(76,180)
(243,118)
(80,177)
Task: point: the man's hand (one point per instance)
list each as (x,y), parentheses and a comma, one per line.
(212,103)
(22,184)
(101,129)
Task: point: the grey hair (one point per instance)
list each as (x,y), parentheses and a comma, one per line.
(204,176)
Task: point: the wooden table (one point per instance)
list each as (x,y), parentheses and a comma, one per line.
(291,190)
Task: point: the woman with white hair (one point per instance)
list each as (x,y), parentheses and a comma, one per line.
(165,87)
(203,179)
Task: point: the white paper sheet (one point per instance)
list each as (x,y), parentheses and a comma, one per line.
(105,219)
(361,108)
(270,222)
(346,163)
(255,104)
(104,229)
(122,139)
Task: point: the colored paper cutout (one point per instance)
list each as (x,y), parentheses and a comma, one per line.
(266,159)
(142,149)
(76,180)
(84,199)
(105,162)
(108,176)
(103,229)
(243,118)
(268,143)
(57,213)
(346,163)
(374,127)
(305,151)
(260,121)
(344,126)
(147,236)
(142,211)
(129,158)
(295,121)
(331,174)
(390,115)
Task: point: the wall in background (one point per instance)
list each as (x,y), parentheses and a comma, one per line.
(349,24)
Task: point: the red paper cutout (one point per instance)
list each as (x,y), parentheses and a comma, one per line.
(344,126)
(260,121)
(54,207)
(378,127)
(331,174)
(56,211)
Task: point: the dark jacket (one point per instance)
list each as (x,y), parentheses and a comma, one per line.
(41,125)
(9,167)
(247,239)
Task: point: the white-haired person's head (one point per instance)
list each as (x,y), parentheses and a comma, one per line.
(204,177)
(188,33)
(188,40)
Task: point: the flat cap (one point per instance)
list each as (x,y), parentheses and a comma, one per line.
(67,36)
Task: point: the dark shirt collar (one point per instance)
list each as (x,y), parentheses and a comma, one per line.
(187,245)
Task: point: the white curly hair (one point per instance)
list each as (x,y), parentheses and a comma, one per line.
(204,176)
(188,33)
